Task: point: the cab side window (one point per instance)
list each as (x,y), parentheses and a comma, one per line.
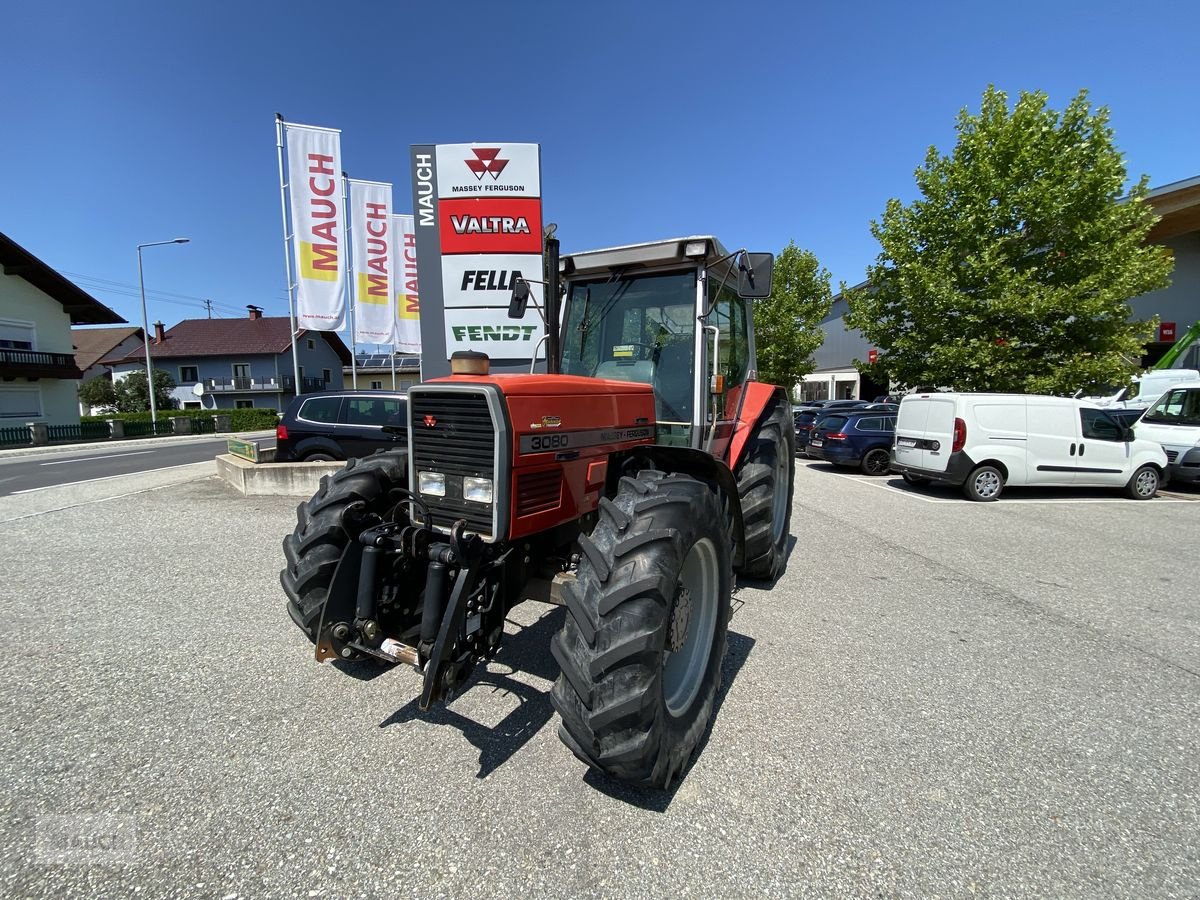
(1099,427)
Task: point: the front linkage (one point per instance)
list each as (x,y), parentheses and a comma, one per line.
(456,621)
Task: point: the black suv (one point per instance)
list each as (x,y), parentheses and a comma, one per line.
(341,425)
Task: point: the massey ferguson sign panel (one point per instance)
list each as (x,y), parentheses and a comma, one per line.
(478,215)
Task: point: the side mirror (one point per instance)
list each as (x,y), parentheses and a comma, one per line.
(519,301)
(754,275)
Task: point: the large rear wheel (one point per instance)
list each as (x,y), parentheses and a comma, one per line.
(640,651)
(315,546)
(765,486)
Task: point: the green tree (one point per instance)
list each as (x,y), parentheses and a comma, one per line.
(100,392)
(132,395)
(1013,270)
(787,325)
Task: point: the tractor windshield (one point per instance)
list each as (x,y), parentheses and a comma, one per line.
(639,328)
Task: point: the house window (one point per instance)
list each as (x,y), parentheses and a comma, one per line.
(312,344)
(243,404)
(188,373)
(191,404)
(16,335)
(241,370)
(376,385)
(327,375)
(20,403)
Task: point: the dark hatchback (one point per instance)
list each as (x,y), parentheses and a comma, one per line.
(341,425)
(861,438)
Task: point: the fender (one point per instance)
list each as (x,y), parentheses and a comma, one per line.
(699,464)
(756,405)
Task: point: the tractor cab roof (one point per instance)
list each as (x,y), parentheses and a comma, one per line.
(651,255)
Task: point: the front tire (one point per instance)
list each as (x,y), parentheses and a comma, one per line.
(1144,484)
(985,484)
(766,485)
(640,651)
(314,548)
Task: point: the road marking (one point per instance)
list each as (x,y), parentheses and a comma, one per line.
(63,462)
(109,477)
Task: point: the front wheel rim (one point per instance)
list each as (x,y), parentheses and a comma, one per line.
(877,463)
(1146,484)
(683,669)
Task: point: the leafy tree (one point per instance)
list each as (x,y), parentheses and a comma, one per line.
(132,395)
(1013,270)
(787,325)
(100,392)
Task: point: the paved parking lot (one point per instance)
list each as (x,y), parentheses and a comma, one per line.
(936,699)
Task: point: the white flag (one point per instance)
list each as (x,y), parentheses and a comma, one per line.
(318,227)
(408,303)
(372,242)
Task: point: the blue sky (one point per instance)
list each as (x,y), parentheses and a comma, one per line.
(128,122)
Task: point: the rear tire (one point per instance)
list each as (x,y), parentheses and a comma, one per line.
(314,548)
(1144,484)
(655,575)
(766,485)
(985,484)
(876,462)
(319,456)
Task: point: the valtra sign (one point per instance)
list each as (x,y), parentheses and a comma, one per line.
(479,228)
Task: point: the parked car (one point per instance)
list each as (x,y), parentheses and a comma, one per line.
(984,442)
(857,437)
(843,404)
(883,407)
(1174,423)
(1144,389)
(803,422)
(341,425)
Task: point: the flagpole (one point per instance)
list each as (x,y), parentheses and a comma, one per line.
(350,282)
(287,253)
(393,358)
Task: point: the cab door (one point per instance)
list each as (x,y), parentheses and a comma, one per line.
(724,378)
(1103,456)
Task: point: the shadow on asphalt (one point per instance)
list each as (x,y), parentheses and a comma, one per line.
(529,651)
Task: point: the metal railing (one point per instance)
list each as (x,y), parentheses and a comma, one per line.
(84,431)
(253,384)
(149,429)
(15,437)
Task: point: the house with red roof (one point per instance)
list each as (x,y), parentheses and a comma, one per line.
(238,363)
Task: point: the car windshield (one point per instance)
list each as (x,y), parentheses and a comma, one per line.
(1176,407)
(831,423)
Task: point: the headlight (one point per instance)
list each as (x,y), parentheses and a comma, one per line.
(431,483)
(477,489)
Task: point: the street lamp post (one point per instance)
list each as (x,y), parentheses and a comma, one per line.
(146,325)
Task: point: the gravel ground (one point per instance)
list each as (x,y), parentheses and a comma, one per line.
(937,699)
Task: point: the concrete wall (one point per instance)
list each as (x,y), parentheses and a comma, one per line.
(21,303)
(1179,303)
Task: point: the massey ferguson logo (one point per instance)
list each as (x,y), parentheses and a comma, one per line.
(430,421)
(487,161)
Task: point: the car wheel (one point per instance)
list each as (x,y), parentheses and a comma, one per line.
(876,462)
(1144,484)
(915,480)
(984,484)
(319,456)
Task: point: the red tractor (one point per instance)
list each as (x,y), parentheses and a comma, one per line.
(630,483)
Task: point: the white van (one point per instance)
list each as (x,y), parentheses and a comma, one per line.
(1174,422)
(1145,389)
(985,441)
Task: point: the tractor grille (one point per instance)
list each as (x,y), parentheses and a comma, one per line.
(538,491)
(452,432)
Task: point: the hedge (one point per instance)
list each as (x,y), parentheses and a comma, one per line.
(256,419)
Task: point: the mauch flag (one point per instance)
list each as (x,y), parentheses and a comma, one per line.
(318,226)
(407,336)
(371,243)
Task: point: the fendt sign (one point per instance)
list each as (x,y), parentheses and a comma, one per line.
(479,228)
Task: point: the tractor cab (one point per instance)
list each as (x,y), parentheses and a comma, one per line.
(673,314)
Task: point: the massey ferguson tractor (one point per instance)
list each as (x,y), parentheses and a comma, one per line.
(630,484)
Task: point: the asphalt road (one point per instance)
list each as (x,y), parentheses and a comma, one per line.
(937,699)
(62,466)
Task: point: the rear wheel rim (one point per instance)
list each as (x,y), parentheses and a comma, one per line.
(683,669)
(779,509)
(987,484)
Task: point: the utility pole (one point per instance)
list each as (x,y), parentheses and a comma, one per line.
(208,306)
